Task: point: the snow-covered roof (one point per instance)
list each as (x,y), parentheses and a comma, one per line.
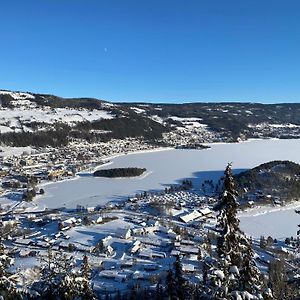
(188,267)
(122,232)
(205,211)
(191,216)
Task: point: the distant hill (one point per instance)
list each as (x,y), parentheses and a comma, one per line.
(272,182)
(47,120)
(40,120)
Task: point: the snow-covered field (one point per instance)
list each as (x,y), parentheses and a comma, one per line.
(9,151)
(277,222)
(171,166)
(15,118)
(25,112)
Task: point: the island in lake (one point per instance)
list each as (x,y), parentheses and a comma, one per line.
(119,172)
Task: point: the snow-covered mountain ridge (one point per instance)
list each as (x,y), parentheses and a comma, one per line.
(23,113)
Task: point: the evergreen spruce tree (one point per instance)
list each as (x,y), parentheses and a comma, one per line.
(85,290)
(179,280)
(59,280)
(85,268)
(118,296)
(177,286)
(159,291)
(8,289)
(298,231)
(297,281)
(236,274)
(171,286)
(54,267)
(74,284)
(178,271)
(278,279)
(133,293)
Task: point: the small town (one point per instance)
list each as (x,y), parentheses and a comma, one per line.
(130,245)
(121,243)
(150,150)
(19,174)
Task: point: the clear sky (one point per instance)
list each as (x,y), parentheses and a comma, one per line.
(153,50)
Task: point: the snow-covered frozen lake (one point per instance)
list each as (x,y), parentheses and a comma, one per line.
(171,166)
(277,222)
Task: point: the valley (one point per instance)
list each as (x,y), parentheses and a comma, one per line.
(132,228)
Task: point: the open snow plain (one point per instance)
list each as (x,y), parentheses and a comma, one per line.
(171,166)
(277,222)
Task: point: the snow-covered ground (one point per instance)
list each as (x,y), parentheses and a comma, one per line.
(24,112)
(277,222)
(17,95)
(15,118)
(171,166)
(9,151)
(189,122)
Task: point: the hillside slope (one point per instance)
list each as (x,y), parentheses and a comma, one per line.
(26,118)
(272,182)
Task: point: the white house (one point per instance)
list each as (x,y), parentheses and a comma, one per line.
(136,246)
(69,222)
(123,233)
(188,267)
(99,220)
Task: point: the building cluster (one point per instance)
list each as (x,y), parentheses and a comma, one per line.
(122,245)
(21,173)
(190,137)
(275,130)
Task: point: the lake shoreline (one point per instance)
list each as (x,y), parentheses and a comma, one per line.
(169,167)
(259,210)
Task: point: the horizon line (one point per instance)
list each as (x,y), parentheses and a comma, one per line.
(151,101)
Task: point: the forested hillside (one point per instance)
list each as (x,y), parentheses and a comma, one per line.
(275,181)
(26,118)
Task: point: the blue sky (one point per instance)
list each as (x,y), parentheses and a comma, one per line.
(153,50)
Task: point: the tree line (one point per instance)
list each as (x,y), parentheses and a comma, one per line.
(119,172)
